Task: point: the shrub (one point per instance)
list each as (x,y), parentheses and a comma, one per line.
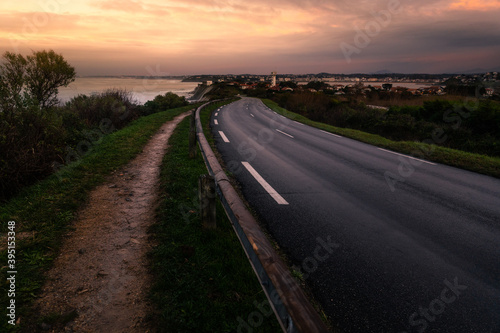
(30,141)
(164,102)
(114,104)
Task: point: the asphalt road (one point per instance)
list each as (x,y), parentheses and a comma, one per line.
(387,243)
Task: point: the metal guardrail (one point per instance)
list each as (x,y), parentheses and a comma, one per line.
(290,305)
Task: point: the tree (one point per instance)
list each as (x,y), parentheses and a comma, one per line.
(36,77)
(11,81)
(46,72)
(317,85)
(288,84)
(30,140)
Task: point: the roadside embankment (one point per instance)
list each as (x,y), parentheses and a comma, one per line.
(200,92)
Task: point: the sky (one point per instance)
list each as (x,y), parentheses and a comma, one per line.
(185,37)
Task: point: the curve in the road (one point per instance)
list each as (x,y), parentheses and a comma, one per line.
(387,242)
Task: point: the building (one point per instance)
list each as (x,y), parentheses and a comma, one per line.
(273,79)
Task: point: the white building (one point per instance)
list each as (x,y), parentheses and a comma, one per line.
(273,79)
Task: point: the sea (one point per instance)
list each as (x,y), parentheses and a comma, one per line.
(142,90)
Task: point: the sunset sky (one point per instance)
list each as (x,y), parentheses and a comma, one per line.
(177,37)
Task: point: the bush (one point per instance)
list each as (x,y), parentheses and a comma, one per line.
(164,102)
(485,119)
(114,104)
(30,141)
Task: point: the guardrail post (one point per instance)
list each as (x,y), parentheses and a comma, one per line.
(192,136)
(206,195)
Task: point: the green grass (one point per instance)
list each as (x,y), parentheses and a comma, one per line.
(204,280)
(46,210)
(473,162)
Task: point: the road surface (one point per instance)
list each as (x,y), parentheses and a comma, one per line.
(386,242)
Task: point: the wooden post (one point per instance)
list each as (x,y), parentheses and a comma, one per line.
(192,137)
(206,195)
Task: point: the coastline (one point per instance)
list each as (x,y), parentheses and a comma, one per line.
(142,89)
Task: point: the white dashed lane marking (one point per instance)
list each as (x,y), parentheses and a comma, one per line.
(224,137)
(269,189)
(285,133)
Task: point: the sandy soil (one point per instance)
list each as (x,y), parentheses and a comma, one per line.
(101,275)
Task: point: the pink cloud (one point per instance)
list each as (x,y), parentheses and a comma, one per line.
(481,5)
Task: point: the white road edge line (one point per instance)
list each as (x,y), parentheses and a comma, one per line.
(216,122)
(224,137)
(300,123)
(418,159)
(284,133)
(216,114)
(269,189)
(338,136)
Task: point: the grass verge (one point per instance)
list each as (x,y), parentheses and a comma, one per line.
(204,280)
(473,162)
(44,212)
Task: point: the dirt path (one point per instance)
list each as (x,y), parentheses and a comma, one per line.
(101,275)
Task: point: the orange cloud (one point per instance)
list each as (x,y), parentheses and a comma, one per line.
(481,5)
(196,34)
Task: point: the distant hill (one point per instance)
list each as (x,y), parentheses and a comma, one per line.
(478,71)
(383,71)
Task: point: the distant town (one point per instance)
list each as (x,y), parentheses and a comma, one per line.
(341,84)
(415,84)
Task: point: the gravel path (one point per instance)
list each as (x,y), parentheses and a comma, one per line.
(101,275)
